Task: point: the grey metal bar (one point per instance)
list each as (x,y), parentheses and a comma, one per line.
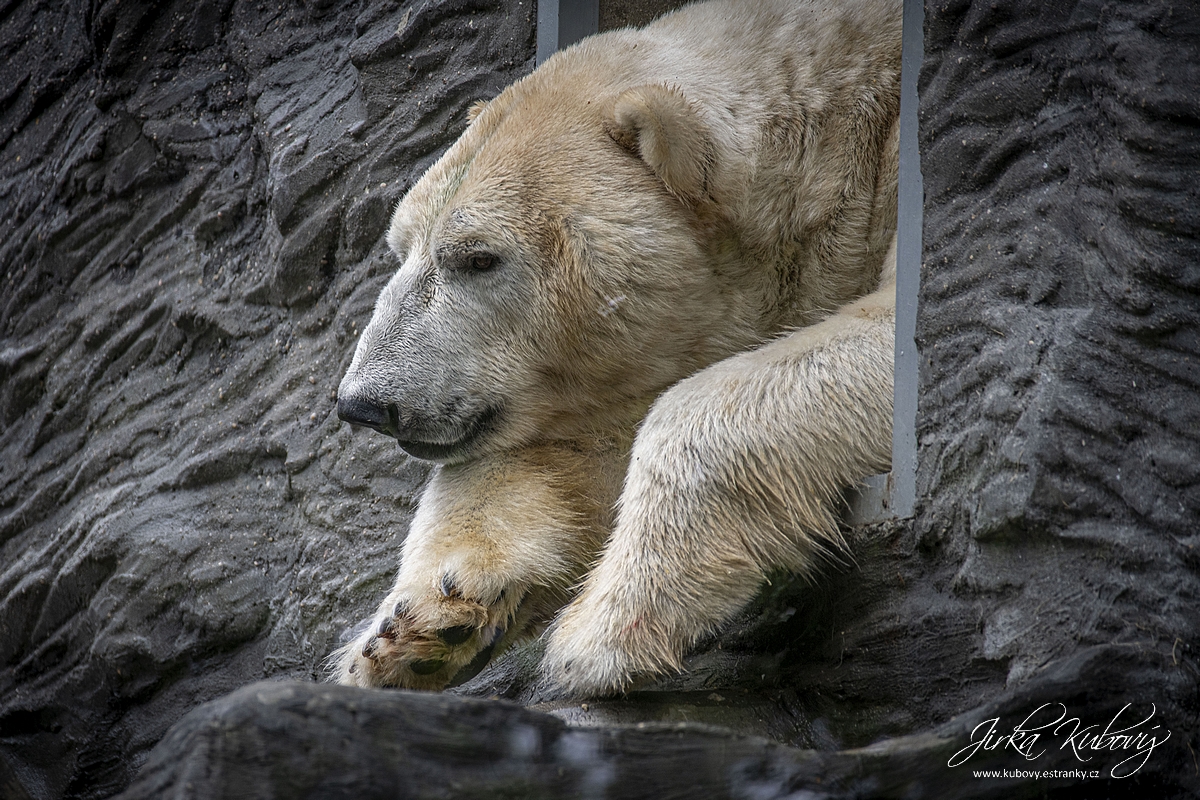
(894,495)
(561,23)
(547,29)
(908,269)
(867,502)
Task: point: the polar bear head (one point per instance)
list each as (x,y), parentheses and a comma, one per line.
(560,266)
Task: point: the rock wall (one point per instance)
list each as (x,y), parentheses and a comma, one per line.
(193,201)
(193,197)
(1060,397)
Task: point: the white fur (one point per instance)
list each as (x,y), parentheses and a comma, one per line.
(736,471)
(689,221)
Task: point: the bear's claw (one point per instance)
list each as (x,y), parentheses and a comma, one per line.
(425,642)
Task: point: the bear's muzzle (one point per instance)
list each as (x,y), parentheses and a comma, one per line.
(447,438)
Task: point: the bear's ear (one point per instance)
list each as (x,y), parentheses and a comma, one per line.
(658,124)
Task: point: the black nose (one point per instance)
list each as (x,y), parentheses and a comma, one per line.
(359,410)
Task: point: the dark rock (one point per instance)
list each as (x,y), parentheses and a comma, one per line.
(304,740)
(181,513)
(193,210)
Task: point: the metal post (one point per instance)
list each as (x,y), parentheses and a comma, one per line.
(561,23)
(911,202)
(894,495)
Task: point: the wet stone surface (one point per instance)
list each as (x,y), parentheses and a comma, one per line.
(193,198)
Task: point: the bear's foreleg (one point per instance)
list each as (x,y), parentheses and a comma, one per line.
(735,472)
(491,555)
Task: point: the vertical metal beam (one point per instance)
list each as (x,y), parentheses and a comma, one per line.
(908,269)
(894,495)
(561,23)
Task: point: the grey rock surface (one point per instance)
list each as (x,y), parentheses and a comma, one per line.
(272,740)
(193,197)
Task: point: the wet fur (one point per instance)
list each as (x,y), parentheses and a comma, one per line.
(686,341)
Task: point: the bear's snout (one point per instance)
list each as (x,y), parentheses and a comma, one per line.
(358,409)
(447,436)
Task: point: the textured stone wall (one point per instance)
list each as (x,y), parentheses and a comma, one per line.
(192,200)
(1060,330)
(193,196)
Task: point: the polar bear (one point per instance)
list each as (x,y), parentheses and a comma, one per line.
(643,323)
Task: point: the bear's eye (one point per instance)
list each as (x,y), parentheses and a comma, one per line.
(467,260)
(480,262)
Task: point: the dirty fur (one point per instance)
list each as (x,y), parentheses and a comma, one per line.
(643,320)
